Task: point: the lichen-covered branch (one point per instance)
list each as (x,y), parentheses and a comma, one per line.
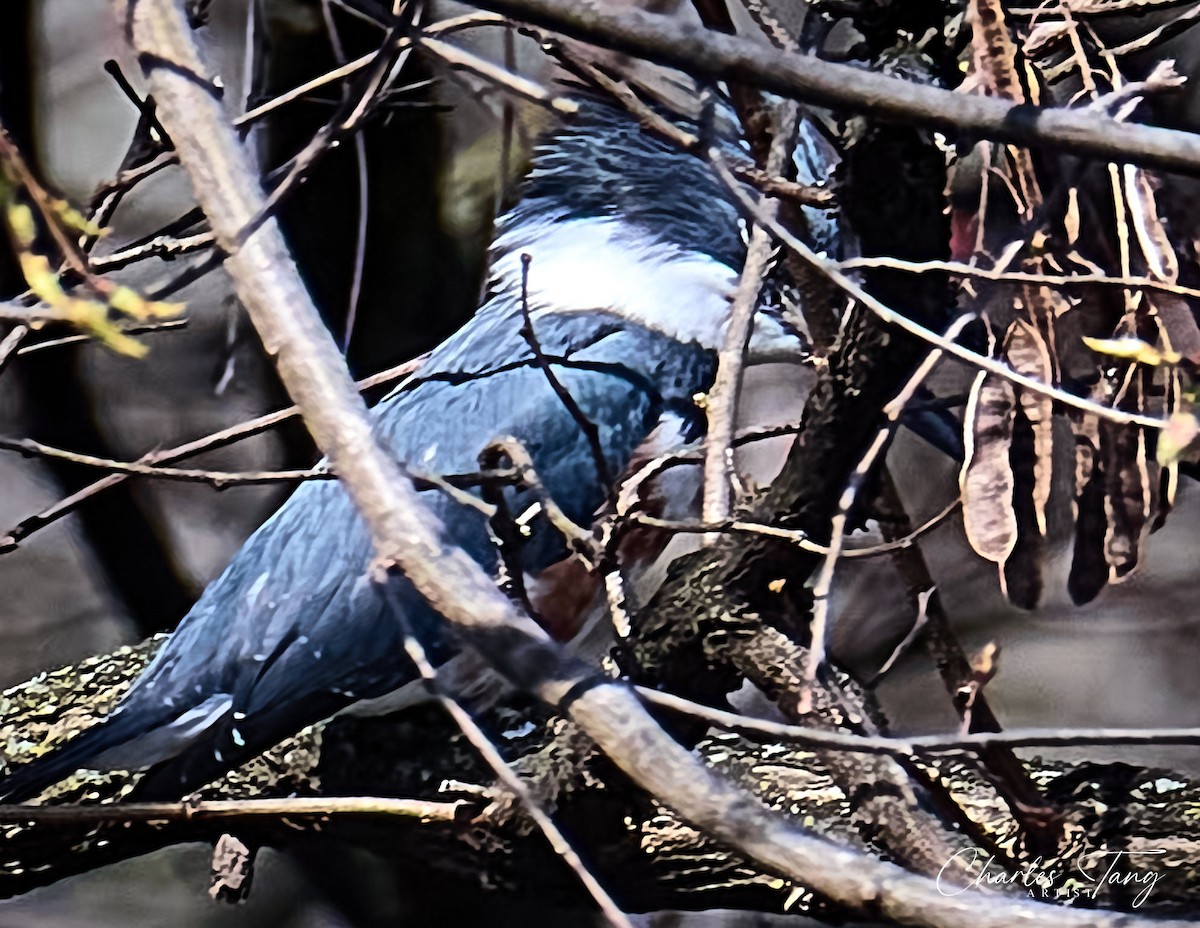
(655,859)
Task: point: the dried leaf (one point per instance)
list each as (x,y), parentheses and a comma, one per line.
(73,219)
(1071,219)
(1168,486)
(1043,306)
(21,224)
(1089,568)
(987,478)
(134,304)
(1127,491)
(1021,573)
(1148,225)
(1031,461)
(42,280)
(1028,354)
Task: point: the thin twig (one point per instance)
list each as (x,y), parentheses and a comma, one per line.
(910,637)
(107,197)
(219,439)
(161,246)
(1001,275)
(443,27)
(385,65)
(586,425)
(651,120)
(219,479)
(227,810)
(364,203)
(487,750)
(577,537)
(773,185)
(916,745)
(720,472)
(523,87)
(796,536)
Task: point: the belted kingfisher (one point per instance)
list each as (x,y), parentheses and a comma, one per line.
(633,252)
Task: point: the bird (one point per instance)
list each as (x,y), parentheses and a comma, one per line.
(608,296)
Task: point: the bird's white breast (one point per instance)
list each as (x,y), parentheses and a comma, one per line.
(600,263)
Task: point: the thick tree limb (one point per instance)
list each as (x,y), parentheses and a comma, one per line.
(656,860)
(705,53)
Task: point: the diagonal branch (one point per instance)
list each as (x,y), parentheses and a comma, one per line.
(709,54)
(891,316)
(586,425)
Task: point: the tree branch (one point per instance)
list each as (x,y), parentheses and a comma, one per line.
(704,53)
(236,810)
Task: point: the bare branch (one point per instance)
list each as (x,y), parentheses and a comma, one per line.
(444,27)
(586,425)
(227,436)
(721,409)
(514,83)
(810,80)
(810,736)
(1001,275)
(317,808)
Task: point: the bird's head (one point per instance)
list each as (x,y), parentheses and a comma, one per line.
(615,219)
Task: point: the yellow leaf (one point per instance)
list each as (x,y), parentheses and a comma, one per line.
(1178,438)
(42,280)
(133,304)
(93,315)
(21,224)
(1132,349)
(73,219)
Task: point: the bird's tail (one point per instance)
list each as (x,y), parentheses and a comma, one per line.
(30,779)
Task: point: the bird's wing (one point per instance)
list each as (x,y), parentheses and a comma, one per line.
(293,630)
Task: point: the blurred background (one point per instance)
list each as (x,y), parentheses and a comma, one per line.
(436,168)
